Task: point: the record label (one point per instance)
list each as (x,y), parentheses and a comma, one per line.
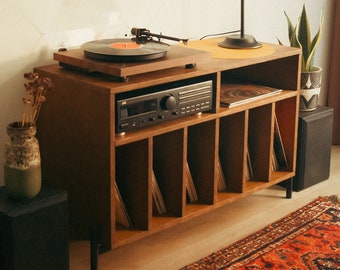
(125,45)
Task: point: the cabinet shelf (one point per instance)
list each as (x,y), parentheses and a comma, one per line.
(162,128)
(85,156)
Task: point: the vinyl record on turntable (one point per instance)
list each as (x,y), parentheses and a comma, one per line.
(125,50)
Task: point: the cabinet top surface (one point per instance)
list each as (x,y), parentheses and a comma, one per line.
(113,84)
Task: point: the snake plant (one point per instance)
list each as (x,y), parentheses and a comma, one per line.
(300,37)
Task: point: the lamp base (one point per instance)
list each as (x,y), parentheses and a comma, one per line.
(240,42)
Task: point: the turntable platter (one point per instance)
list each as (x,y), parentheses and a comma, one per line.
(126,50)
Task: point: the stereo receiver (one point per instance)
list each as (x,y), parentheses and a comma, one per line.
(141,110)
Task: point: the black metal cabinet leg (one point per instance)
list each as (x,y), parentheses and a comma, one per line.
(94,246)
(289,188)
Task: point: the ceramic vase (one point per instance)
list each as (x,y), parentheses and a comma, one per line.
(22,167)
(310,89)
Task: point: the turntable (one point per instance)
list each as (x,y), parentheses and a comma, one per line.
(125,57)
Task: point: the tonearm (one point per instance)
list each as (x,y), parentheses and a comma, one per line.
(143,35)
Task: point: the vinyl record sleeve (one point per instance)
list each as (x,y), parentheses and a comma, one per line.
(236,94)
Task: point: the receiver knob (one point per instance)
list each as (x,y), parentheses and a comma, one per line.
(168,102)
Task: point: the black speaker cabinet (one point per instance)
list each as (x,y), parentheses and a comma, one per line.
(34,233)
(314,147)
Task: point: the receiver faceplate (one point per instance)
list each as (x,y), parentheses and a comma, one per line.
(148,109)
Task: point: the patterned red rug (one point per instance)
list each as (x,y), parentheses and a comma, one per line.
(306,239)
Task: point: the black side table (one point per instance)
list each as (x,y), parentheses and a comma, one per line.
(34,233)
(314,147)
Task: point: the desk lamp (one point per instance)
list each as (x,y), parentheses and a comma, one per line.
(240,41)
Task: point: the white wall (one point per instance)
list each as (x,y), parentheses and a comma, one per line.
(32,29)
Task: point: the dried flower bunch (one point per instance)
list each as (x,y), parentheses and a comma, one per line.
(36,89)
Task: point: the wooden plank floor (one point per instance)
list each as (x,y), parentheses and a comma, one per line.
(192,240)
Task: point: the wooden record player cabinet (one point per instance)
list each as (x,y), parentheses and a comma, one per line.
(82,154)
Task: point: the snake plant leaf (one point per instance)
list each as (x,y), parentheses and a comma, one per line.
(279,41)
(295,39)
(304,35)
(292,33)
(290,27)
(314,43)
